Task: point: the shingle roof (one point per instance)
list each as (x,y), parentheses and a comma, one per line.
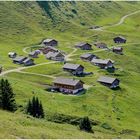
(120,37)
(48,40)
(86,55)
(71,66)
(81,44)
(19,58)
(66,81)
(52,48)
(27,59)
(52,54)
(117,48)
(108,80)
(33,53)
(100,61)
(101,44)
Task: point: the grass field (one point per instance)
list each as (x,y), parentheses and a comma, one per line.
(118,109)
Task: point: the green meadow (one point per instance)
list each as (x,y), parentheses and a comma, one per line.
(26,24)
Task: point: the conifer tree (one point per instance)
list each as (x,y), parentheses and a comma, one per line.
(35,108)
(85,124)
(7,97)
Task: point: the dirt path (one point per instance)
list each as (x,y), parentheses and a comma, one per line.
(121,21)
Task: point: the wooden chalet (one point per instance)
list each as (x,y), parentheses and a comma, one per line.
(101,45)
(88,56)
(69,86)
(84,46)
(50,42)
(75,69)
(28,62)
(118,50)
(103,64)
(109,81)
(19,59)
(119,39)
(33,54)
(57,56)
(45,50)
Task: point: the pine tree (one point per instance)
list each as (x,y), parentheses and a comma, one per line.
(7,97)
(41,111)
(35,108)
(85,124)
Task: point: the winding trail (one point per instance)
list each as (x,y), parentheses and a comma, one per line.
(121,21)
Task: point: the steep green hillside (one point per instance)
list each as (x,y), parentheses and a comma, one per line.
(25,24)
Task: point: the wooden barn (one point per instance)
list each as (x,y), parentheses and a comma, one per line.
(109,81)
(19,59)
(103,64)
(33,54)
(28,62)
(88,56)
(45,50)
(84,46)
(118,50)
(50,42)
(69,86)
(75,69)
(119,39)
(100,45)
(57,56)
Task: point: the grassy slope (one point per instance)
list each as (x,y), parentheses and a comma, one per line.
(29,26)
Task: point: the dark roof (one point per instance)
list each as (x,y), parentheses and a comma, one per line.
(108,80)
(100,61)
(52,48)
(66,81)
(82,44)
(33,53)
(19,58)
(120,37)
(86,55)
(27,59)
(71,66)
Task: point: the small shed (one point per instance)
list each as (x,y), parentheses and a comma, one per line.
(84,46)
(50,42)
(75,69)
(109,81)
(57,56)
(103,64)
(119,39)
(88,56)
(69,86)
(12,54)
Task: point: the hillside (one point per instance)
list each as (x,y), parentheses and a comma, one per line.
(25,24)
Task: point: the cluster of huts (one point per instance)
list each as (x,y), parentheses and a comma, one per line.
(71,85)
